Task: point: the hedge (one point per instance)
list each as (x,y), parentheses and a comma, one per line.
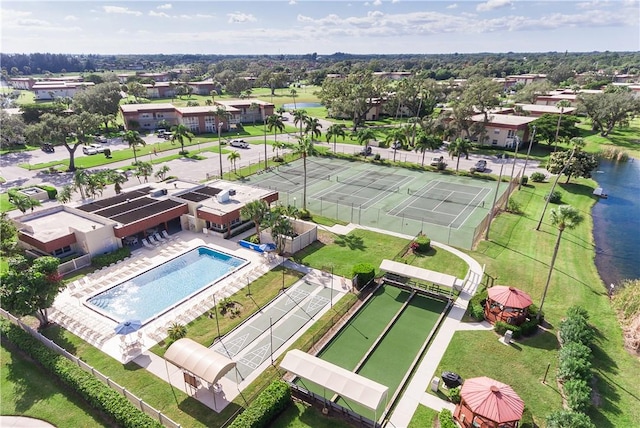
(538,177)
(365,273)
(52,192)
(266,407)
(476,305)
(423,244)
(97,394)
(446,419)
(112,257)
(578,393)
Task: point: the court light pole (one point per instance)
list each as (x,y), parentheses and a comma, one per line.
(526,160)
(215,311)
(513,169)
(493,206)
(220,125)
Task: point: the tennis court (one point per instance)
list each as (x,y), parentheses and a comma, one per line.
(254,341)
(447,208)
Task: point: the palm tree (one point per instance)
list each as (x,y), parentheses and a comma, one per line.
(564,217)
(312,127)
(134,139)
(561,105)
(144,169)
(255,211)
(80,180)
(275,124)
(458,148)
(334,131)
(364,135)
(304,148)
(233,158)
(23,202)
(179,133)
(300,116)
(426,142)
(294,94)
(396,135)
(278,145)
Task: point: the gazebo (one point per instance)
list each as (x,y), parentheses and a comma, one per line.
(507,304)
(487,403)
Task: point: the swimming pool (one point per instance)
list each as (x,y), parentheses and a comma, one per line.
(154,292)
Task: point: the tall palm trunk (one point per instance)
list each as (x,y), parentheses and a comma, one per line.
(553,262)
(304,184)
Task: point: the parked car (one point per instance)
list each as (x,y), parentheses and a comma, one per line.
(366,151)
(437,161)
(100,139)
(47,148)
(480,166)
(88,150)
(160,131)
(166,135)
(239,143)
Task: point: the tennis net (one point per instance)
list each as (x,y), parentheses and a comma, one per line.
(325,175)
(369,184)
(446,197)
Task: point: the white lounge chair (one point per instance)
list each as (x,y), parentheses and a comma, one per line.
(152,240)
(147,244)
(166,235)
(159,238)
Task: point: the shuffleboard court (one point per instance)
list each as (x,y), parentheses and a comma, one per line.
(253,341)
(442,203)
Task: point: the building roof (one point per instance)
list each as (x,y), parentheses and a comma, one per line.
(53,223)
(341,381)
(492,399)
(203,362)
(243,103)
(209,200)
(510,297)
(546,109)
(504,119)
(409,271)
(134,108)
(204,109)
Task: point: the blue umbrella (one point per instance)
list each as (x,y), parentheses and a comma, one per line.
(127,327)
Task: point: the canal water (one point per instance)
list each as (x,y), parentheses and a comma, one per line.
(616,221)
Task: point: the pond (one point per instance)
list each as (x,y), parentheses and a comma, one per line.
(300,105)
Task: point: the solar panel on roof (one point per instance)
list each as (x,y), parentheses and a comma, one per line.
(210,191)
(194,197)
(147,211)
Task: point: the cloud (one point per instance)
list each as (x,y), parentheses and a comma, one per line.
(377,2)
(71,18)
(158,14)
(121,10)
(165,6)
(493,4)
(395,1)
(452,6)
(292,2)
(593,4)
(239,17)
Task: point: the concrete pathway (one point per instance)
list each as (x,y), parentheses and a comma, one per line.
(23,422)
(415,392)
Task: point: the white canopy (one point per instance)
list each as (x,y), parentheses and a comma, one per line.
(418,273)
(203,362)
(343,382)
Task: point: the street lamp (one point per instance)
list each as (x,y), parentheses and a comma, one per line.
(220,125)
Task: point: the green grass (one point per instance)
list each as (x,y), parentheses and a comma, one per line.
(626,138)
(438,260)
(301,415)
(424,417)
(5,205)
(27,390)
(519,256)
(204,330)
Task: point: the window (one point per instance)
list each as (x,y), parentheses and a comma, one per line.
(511,133)
(496,131)
(61,251)
(494,142)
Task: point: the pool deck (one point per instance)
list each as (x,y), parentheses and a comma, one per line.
(69,311)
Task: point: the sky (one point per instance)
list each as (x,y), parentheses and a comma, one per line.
(324,27)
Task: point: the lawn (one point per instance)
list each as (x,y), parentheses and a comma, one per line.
(519,256)
(301,415)
(27,390)
(424,417)
(626,138)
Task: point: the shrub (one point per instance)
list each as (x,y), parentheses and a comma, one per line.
(576,329)
(94,392)
(555,197)
(574,368)
(446,419)
(423,244)
(529,327)
(376,157)
(441,166)
(568,419)
(304,214)
(577,312)
(264,409)
(502,327)
(575,350)
(538,177)
(364,273)
(524,180)
(454,395)
(476,305)
(52,192)
(112,257)
(177,331)
(533,312)
(514,206)
(578,394)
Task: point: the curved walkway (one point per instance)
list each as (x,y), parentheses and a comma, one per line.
(415,392)
(23,422)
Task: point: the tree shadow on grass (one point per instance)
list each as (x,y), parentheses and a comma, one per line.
(353,242)
(56,333)
(543,339)
(208,417)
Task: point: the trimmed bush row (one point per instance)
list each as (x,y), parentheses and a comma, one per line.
(112,257)
(97,394)
(476,305)
(446,419)
(423,244)
(266,407)
(365,273)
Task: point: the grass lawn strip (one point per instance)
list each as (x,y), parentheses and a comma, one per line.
(27,390)
(424,417)
(519,256)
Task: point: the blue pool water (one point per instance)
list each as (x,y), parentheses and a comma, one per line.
(300,105)
(157,290)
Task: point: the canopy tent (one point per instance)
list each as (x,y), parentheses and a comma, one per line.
(507,304)
(203,362)
(341,381)
(487,402)
(426,275)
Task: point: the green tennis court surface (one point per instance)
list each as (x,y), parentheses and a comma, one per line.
(392,358)
(447,208)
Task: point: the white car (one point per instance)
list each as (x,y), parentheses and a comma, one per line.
(92,149)
(239,143)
